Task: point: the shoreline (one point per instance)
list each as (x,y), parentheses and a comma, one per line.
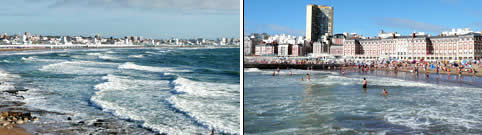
(13,131)
(103,47)
(339,68)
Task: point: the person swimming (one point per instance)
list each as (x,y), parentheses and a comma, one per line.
(364,82)
(385,92)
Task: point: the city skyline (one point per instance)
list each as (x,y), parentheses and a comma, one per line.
(405,17)
(151,19)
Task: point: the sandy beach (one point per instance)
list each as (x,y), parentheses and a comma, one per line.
(13,131)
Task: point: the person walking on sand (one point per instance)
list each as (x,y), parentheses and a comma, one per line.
(364,82)
(385,93)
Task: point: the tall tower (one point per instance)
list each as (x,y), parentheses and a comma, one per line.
(319,21)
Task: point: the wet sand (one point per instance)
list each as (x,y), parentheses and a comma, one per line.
(13,131)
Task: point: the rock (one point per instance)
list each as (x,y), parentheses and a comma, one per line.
(4,114)
(68,118)
(35,119)
(25,119)
(14,119)
(4,124)
(19,122)
(81,122)
(97,124)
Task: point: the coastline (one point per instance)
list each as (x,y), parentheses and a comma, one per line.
(34,47)
(339,68)
(13,131)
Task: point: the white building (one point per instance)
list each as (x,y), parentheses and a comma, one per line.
(455,32)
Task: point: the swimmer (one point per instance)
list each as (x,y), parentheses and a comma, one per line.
(364,82)
(308,77)
(385,92)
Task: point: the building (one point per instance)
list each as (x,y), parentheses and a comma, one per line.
(336,50)
(415,47)
(285,50)
(297,50)
(319,21)
(266,50)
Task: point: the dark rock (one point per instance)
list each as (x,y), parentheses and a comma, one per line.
(68,118)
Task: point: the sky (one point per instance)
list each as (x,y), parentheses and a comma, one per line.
(366,17)
(158,19)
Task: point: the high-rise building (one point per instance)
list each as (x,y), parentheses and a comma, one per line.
(319,21)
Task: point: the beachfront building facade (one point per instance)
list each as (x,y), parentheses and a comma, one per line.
(415,47)
(336,50)
(284,49)
(266,50)
(319,22)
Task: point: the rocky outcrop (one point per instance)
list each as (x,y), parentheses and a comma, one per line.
(9,119)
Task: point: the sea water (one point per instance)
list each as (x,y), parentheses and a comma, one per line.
(138,91)
(333,103)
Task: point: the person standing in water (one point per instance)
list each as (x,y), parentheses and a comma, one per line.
(277,70)
(308,77)
(364,82)
(385,93)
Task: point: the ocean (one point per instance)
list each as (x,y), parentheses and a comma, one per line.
(332,103)
(125,90)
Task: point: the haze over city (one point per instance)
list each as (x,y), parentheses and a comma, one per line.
(148,18)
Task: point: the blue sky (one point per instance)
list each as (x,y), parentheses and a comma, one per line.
(158,19)
(366,17)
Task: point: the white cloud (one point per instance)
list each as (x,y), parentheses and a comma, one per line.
(154,4)
(410,24)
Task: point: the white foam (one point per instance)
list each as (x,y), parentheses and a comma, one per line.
(136,56)
(130,65)
(78,67)
(4,78)
(252,70)
(204,88)
(35,58)
(197,102)
(6,61)
(133,99)
(125,83)
(95,54)
(108,57)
